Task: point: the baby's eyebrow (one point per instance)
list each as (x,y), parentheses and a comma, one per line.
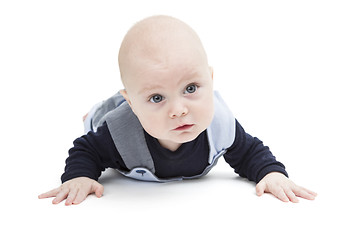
(153,87)
(150,88)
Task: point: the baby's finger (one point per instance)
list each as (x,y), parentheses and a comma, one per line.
(51,193)
(98,189)
(61,196)
(71,196)
(305,193)
(292,197)
(260,188)
(280,194)
(309,191)
(81,195)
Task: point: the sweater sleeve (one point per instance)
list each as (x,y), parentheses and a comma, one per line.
(92,154)
(250,158)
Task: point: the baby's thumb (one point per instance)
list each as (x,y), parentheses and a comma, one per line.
(98,189)
(260,188)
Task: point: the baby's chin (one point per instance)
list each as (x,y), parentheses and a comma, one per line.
(186,137)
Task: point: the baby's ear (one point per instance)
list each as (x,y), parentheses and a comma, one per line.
(211,72)
(126,96)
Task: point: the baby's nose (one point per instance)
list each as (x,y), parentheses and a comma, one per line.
(178,109)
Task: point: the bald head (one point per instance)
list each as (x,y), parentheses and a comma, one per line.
(158,41)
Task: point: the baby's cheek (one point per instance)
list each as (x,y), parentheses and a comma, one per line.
(205,110)
(152,127)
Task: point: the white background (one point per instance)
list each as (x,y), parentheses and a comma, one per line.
(277,64)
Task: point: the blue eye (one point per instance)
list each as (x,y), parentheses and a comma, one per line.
(156,98)
(191,88)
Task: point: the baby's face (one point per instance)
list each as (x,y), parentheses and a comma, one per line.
(173,99)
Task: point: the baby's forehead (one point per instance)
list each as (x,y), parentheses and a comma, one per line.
(159,42)
(158,34)
(172,77)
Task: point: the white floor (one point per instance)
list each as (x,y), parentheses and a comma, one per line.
(277,66)
(217,206)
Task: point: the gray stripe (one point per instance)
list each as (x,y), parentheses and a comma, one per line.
(128,136)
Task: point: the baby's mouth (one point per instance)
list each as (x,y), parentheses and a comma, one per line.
(184,127)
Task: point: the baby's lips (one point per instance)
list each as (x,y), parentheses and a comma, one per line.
(183,127)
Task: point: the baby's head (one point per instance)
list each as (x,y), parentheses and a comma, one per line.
(168,82)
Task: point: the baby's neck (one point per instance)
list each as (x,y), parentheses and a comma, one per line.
(172,146)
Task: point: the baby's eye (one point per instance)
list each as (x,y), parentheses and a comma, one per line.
(191,88)
(156,98)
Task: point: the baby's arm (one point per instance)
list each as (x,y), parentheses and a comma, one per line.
(74,191)
(91,154)
(251,159)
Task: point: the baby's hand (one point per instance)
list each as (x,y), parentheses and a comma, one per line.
(74,191)
(283,188)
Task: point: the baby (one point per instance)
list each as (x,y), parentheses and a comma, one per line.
(167,124)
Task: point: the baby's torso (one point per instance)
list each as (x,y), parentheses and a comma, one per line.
(190,159)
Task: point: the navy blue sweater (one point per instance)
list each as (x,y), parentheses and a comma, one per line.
(96,151)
